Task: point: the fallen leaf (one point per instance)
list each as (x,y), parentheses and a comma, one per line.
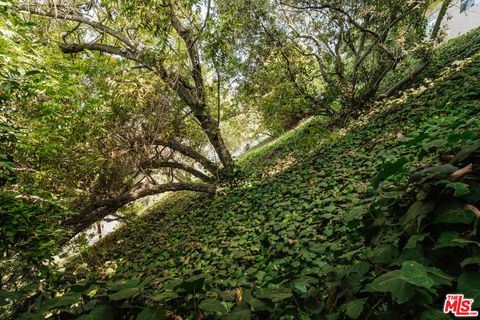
(460,173)
(472,208)
(239,295)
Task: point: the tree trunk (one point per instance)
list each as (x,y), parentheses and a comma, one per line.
(196,96)
(212,131)
(438,22)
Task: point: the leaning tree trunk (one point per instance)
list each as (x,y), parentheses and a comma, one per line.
(195,97)
(211,129)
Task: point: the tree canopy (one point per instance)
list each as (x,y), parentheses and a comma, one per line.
(138,89)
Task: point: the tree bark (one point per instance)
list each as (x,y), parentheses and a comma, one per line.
(102,208)
(189,152)
(211,129)
(180,166)
(411,74)
(199,107)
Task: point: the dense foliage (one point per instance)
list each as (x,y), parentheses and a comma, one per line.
(297,58)
(378,220)
(368,209)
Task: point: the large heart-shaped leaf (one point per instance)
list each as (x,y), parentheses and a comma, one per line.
(213,305)
(152,314)
(124,294)
(469,285)
(354,308)
(392,282)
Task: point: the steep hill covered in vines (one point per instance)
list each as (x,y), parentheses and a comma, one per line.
(375,220)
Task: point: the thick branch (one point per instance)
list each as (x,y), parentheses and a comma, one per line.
(175,81)
(411,74)
(189,152)
(79,47)
(438,22)
(180,166)
(37,10)
(199,105)
(103,208)
(193,97)
(381,38)
(192,49)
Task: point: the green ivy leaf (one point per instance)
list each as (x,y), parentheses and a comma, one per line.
(469,285)
(56,302)
(149,313)
(416,274)
(213,305)
(274,294)
(452,239)
(194,284)
(412,242)
(469,261)
(300,285)
(165,296)
(124,294)
(124,284)
(354,308)
(384,253)
(435,144)
(242,312)
(392,282)
(452,212)
(388,170)
(460,188)
(100,312)
(258,305)
(416,213)
(466,151)
(441,170)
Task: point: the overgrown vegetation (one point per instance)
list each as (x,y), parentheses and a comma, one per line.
(377,220)
(367,209)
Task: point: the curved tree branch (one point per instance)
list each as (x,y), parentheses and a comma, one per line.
(180,166)
(199,105)
(102,208)
(79,47)
(189,152)
(333,8)
(52,13)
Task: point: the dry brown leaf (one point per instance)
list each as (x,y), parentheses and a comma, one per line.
(239,295)
(292,241)
(460,173)
(172,316)
(446,157)
(200,315)
(472,208)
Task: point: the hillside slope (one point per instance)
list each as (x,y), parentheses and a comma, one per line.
(364,221)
